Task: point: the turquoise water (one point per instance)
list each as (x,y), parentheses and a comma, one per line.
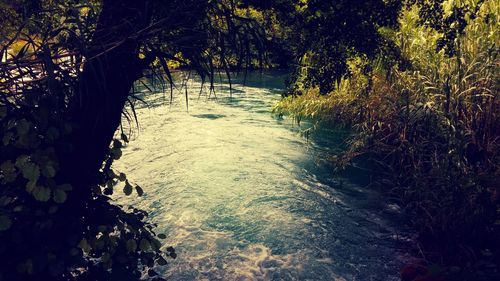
(242,196)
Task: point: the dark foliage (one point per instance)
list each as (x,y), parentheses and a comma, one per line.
(66,74)
(327,33)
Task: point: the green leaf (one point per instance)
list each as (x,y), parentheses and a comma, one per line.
(139,190)
(5,200)
(124,137)
(161,261)
(84,245)
(28,141)
(41,193)
(5,223)
(99,243)
(144,245)
(155,244)
(30,186)
(117,144)
(7,138)
(52,134)
(111,174)
(25,267)
(31,172)
(23,127)
(116,153)
(106,257)
(152,273)
(131,245)
(60,196)
(111,184)
(49,170)
(3,111)
(8,170)
(22,160)
(127,189)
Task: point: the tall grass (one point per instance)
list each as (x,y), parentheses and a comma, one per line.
(341,106)
(431,130)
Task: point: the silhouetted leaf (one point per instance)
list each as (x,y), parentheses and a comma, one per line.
(127,189)
(152,273)
(144,245)
(84,245)
(8,170)
(131,245)
(139,190)
(60,196)
(5,223)
(41,193)
(161,261)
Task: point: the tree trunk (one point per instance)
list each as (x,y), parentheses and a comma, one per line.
(112,66)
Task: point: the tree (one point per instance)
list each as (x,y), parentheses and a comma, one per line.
(322,35)
(67,71)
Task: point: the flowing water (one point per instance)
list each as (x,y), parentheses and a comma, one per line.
(243,196)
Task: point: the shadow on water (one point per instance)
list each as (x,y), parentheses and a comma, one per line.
(209,116)
(243,196)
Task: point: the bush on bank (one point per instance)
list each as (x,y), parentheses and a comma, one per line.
(430,125)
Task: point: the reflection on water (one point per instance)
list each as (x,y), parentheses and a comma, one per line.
(241,196)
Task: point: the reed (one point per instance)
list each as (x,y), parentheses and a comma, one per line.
(431,130)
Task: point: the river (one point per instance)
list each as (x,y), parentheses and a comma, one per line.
(242,195)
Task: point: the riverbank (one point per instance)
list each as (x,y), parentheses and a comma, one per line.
(428,129)
(439,255)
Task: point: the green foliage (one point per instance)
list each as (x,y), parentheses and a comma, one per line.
(49,49)
(321,36)
(421,94)
(429,130)
(340,107)
(449,18)
(34,206)
(57,231)
(51,230)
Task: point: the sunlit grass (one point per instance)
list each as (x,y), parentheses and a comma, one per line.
(432,128)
